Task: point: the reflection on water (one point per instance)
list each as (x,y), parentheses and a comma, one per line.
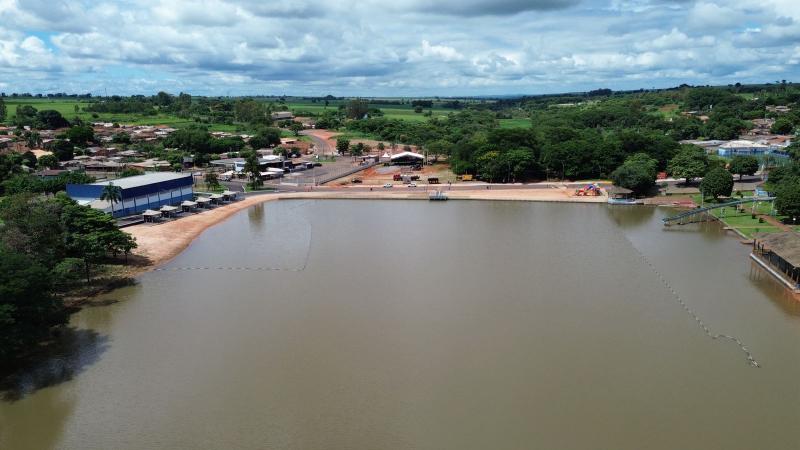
(774,290)
(72,351)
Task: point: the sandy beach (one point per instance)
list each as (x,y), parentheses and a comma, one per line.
(161,242)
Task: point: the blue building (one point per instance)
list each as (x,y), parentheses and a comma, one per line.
(150,191)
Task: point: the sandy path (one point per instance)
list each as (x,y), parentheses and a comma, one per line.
(163,241)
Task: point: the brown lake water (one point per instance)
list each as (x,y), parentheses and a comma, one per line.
(409,324)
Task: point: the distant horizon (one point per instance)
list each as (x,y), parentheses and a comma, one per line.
(385,97)
(407,48)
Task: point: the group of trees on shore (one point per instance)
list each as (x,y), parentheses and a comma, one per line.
(48,245)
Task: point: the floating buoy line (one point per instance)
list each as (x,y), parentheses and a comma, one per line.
(750,359)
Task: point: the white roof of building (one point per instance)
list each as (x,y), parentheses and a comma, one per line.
(743,144)
(143,180)
(406,154)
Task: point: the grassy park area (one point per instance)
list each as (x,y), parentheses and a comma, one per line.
(742,218)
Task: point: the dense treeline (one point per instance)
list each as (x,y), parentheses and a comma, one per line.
(48,245)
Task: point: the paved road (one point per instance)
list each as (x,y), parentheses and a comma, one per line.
(320,145)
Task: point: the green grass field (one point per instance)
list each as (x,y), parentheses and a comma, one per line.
(67,109)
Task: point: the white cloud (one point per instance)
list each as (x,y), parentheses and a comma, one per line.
(438,52)
(406,47)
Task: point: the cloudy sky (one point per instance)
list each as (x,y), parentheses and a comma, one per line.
(392,48)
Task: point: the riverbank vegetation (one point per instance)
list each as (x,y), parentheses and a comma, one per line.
(52,250)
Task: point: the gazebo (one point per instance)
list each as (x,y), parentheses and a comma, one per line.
(188,205)
(203,202)
(168,211)
(229,195)
(620,195)
(217,198)
(150,215)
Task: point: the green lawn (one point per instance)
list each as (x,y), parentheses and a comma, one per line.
(67,109)
(515,123)
(743,221)
(390,111)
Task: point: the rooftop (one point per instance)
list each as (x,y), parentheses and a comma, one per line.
(143,180)
(743,144)
(785,244)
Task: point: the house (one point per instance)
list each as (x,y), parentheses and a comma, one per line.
(138,193)
(49,174)
(761,126)
(152,164)
(781,109)
(264,162)
(282,115)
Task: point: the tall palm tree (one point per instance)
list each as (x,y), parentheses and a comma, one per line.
(113,194)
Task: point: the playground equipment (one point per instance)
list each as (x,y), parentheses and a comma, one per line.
(591,190)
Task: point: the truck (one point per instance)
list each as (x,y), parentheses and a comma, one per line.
(433,180)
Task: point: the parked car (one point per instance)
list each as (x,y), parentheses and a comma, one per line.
(388,185)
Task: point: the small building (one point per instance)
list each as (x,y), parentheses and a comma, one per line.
(264,162)
(734,148)
(407,159)
(618,195)
(282,115)
(780,254)
(139,193)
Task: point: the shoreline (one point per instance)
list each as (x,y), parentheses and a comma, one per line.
(160,243)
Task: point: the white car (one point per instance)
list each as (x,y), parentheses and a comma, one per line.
(412,184)
(388,185)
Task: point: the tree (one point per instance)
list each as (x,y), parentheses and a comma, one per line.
(111,194)
(28,309)
(267,137)
(33,139)
(690,162)
(743,165)
(787,197)
(638,173)
(717,182)
(50,119)
(63,150)
(212,180)
(252,168)
(356,150)
(357,108)
(2,110)
(121,138)
(782,125)
(342,145)
(25,115)
(296,128)
(47,162)
(29,159)
(80,135)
